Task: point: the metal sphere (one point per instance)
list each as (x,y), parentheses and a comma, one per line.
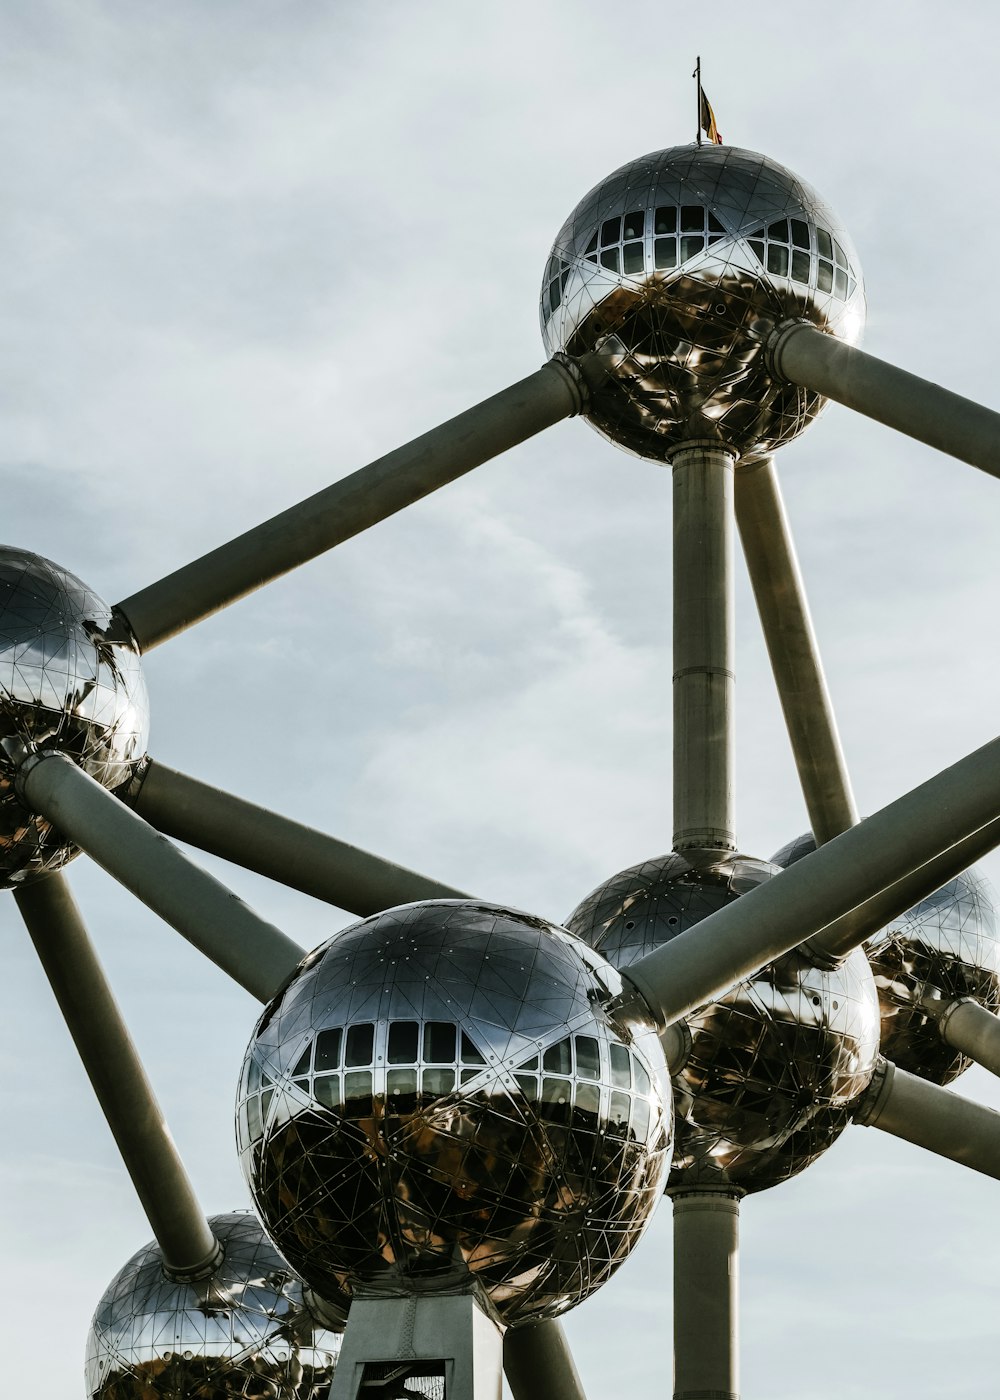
(244,1331)
(440,1092)
(677,268)
(775,1065)
(63,686)
(943,948)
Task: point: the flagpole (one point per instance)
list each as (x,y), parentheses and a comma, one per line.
(697,74)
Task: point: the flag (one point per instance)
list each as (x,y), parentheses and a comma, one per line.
(707,119)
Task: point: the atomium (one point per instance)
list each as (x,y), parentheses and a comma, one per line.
(453,1097)
(676,269)
(243,1331)
(440,1092)
(775,1065)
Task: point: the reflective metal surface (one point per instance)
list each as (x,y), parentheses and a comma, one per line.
(678,267)
(774,1065)
(944,947)
(242,1332)
(62,686)
(439,1091)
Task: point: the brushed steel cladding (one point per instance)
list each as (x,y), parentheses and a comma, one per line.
(245,1331)
(62,687)
(439,1091)
(944,947)
(775,1064)
(678,267)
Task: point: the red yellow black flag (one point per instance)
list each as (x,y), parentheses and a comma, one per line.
(707,118)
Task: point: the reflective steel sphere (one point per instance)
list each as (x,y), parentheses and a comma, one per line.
(944,947)
(244,1331)
(774,1065)
(63,686)
(439,1091)
(677,268)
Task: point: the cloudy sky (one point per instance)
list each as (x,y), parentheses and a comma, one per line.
(246,248)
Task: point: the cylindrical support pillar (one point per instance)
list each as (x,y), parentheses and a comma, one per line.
(539,1365)
(703,648)
(356,502)
(110,1059)
(911,405)
(972,1029)
(253,952)
(931,1117)
(283,850)
(791,645)
(839,938)
(706,1293)
(778,915)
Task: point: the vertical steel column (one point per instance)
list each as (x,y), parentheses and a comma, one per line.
(115,1070)
(791,646)
(706,1292)
(703,647)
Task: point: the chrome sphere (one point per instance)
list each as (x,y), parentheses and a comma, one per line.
(775,1065)
(63,686)
(439,1091)
(944,947)
(677,268)
(244,1331)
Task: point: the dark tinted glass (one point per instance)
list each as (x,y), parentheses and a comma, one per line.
(328,1049)
(439,1042)
(403,1042)
(557,1058)
(360,1045)
(635,223)
(692,217)
(666,220)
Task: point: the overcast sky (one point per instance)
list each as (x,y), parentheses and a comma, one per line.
(248,247)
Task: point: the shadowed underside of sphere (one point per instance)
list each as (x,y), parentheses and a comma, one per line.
(63,686)
(439,1092)
(677,268)
(944,947)
(776,1063)
(244,1331)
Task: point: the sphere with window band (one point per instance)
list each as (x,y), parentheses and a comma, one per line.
(441,1092)
(775,1065)
(675,270)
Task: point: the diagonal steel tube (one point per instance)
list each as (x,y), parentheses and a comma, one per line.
(968,1026)
(538,1363)
(277,847)
(775,917)
(791,645)
(354,503)
(914,406)
(839,938)
(112,1063)
(932,1118)
(253,952)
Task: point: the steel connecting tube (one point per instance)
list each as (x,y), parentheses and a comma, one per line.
(539,1365)
(704,646)
(810,895)
(111,1061)
(706,1292)
(274,846)
(932,1118)
(253,952)
(793,651)
(969,1027)
(800,353)
(556,391)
